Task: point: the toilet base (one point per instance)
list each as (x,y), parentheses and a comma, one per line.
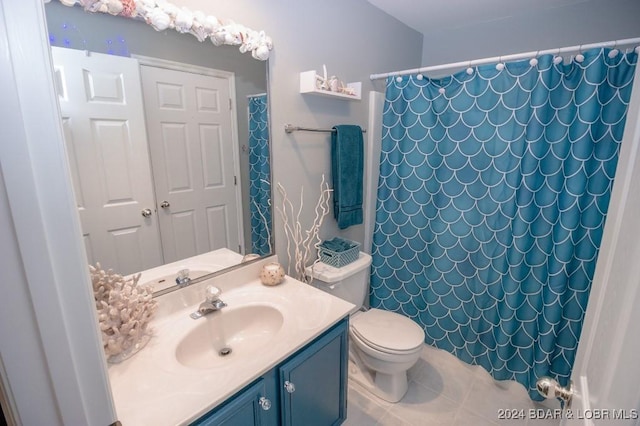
(388,387)
(391,387)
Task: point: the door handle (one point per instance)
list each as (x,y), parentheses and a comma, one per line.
(165,204)
(146,213)
(265,403)
(289,387)
(550,388)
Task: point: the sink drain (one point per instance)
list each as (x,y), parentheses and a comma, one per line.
(224,351)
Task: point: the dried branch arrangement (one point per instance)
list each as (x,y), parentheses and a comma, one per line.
(124,312)
(302,242)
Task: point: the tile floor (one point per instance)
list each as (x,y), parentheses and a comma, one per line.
(445,391)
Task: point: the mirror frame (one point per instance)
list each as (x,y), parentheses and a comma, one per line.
(238,32)
(162,15)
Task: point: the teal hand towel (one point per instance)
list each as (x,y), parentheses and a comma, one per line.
(338,245)
(347,162)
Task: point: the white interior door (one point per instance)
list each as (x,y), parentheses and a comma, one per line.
(103,119)
(194,158)
(606,374)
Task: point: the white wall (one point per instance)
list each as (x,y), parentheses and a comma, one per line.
(50,345)
(19,374)
(590,21)
(354,39)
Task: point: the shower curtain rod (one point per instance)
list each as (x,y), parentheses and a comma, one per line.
(517,56)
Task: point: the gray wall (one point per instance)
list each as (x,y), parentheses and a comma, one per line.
(586,22)
(354,39)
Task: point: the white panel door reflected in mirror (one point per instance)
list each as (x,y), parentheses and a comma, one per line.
(198,162)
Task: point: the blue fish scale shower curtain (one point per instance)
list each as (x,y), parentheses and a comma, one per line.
(259,175)
(492,198)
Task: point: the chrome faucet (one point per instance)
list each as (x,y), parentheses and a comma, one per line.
(183,279)
(211,304)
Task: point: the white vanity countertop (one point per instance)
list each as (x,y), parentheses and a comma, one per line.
(153,388)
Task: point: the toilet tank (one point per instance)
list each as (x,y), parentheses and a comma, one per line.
(350,282)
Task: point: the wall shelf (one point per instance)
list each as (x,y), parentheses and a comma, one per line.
(308,86)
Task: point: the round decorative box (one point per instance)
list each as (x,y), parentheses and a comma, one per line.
(272,274)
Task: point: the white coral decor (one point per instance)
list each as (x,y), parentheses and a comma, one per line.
(124,311)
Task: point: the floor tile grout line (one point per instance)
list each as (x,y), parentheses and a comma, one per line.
(371,398)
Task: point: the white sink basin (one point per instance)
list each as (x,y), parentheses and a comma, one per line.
(229,335)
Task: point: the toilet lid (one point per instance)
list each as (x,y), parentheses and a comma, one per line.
(387,329)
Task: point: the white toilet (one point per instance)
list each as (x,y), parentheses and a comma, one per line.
(384,344)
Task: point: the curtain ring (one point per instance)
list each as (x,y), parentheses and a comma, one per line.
(614,52)
(580,56)
(500,65)
(557,59)
(534,61)
(469,69)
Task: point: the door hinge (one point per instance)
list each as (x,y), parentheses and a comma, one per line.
(235,180)
(230,105)
(239,248)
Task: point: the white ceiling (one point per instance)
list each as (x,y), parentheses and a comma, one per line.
(431,15)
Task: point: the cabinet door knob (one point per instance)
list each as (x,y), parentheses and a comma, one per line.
(146,212)
(289,387)
(265,403)
(165,204)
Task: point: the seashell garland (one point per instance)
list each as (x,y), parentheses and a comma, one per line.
(124,312)
(162,15)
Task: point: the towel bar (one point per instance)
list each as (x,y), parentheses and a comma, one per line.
(289,128)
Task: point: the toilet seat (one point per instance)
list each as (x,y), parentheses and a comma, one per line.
(387,332)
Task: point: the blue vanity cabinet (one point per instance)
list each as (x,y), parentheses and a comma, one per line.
(309,388)
(313,384)
(249,407)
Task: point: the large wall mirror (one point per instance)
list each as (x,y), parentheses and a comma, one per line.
(168,144)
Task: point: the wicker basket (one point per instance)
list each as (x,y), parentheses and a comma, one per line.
(342,258)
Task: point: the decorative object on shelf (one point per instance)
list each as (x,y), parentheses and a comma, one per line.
(124,312)
(302,242)
(322,83)
(162,15)
(351,91)
(313,83)
(272,274)
(334,83)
